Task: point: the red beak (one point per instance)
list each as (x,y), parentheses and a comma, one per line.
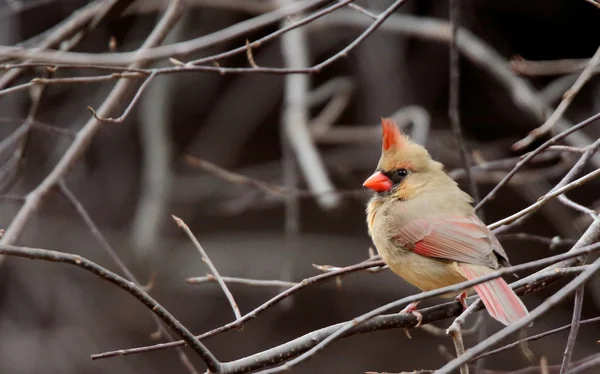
(378,182)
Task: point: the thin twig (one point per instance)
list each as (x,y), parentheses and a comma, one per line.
(575,323)
(576,206)
(532,338)
(269,188)
(243,281)
(454,101)
(545,199)
(568,97)
(531,155)
(129,107)
(211,266)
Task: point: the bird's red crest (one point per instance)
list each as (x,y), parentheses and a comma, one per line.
(392,136)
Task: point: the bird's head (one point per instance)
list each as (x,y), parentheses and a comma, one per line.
(404,168)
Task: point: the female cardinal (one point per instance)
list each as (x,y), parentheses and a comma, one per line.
(426,230)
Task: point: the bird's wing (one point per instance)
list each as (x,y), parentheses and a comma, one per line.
(454,238)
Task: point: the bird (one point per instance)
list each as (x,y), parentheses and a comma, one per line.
(426,230)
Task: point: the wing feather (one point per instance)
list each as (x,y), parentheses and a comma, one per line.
(453,238)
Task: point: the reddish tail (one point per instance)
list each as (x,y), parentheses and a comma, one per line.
(499,299)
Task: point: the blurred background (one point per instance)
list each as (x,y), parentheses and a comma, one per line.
(133,177)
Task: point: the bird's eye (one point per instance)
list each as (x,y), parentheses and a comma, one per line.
(401,173)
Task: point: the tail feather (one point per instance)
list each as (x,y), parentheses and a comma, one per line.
(499,299)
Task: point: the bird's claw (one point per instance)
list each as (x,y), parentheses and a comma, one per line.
(412,309)
(462,299)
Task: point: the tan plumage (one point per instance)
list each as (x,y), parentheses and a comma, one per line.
(426,230)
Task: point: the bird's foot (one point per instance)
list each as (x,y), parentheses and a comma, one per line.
(412,309)
(462,299)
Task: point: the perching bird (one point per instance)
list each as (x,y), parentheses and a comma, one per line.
(426,230)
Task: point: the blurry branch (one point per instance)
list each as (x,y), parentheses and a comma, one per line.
(58,34)
(568,97)
(13,8)
(254,313)
(242,281)
(535,337)
(211,266)
(454,115)
(339,89)
(552,243)
(575,323)
(545,199)
(249,6)
(119,93)
(80,209)
(534,153)
(564,182)
(475,50)
(556,89)
(295,119)
(412,114)
(175,50)
(552,67)
(288,26)
(129,286)
(268,188)
(582,365)
(594,3)
(99,61)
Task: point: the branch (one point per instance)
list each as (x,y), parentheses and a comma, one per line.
(243,281)
(294,130)
(211,266)
(545,199)
(591,235)
(454,104)
(568,97)
(35,198)
(80,209)
(317,340)
(576,322)
(531,155)
(47,255)
(535,337)
(254,313)
(156,53)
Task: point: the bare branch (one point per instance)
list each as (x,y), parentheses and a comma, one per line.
(575,323)
(211,266)
(243,281)
(531,155)
(454,106)
(35,198)
(47,255)
(545,199)
(568,97)
(80,209)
